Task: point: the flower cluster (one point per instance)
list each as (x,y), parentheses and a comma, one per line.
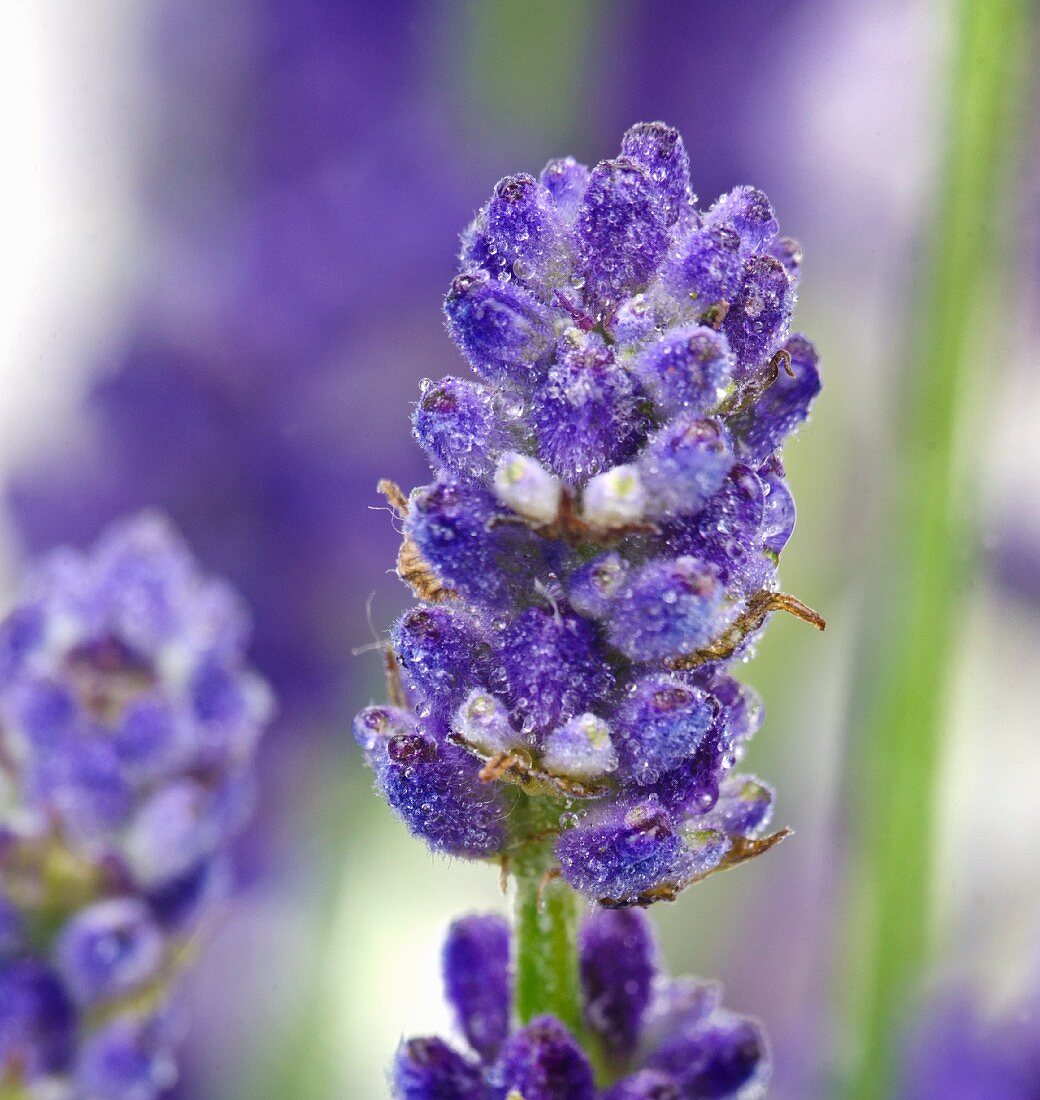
(601,539)
(655,1038)
(128,724)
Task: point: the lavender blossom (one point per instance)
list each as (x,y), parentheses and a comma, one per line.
(602,537)
(128,726)
(654,1037)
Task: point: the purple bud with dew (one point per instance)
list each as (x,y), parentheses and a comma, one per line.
(668,608)
(542,1061)
(503,330)
(586,412)
(458,426)
(683,466)
(565,179)
(687,370)
(748,212)
(660,150)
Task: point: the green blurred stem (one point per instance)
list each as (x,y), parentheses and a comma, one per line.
(905,720)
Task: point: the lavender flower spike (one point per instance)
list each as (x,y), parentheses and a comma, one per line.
(601,539)
(128,724)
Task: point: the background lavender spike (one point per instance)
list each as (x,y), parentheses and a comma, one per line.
(129,722)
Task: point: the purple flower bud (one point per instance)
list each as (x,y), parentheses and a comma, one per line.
(375,726)
(478,981)
(436,791)
(440,651)
(703,268)
(727,533)
(174,829)
(153,740)
(679,1005)
(661,724)
(765,425)
(109,950)
(622,231)
(180,904)
(552,667)
(586,413)
(683,465)
(428,1069)
(453,525)
(565,179)
(482,722)
(37,1020)
(748,212)
(647,1084)
(744,807)
(231,708)
(660,150)
(504,332)
(595,584)
(144,577)
(519,236)
(456,424)
(42,712)
(741,710)
(686,370)
(580,749)
(21,634)
(618,853)
(618,964)
(716,1060)
(636,322)
(126,1060)
(758,319)
(542,1062)
(668,608)
(83,783)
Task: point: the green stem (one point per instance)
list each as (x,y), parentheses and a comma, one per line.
(547,980)
(547,915)
(904,724)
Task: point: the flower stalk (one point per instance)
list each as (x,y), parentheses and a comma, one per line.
(904,724)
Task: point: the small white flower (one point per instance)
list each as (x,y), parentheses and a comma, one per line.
(528,488)
(614,498)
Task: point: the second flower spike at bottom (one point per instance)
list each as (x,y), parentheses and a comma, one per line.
(647,1036)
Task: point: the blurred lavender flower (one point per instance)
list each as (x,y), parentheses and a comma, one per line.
(656,1038)
(602,536)
(128,726)
(957,1055)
